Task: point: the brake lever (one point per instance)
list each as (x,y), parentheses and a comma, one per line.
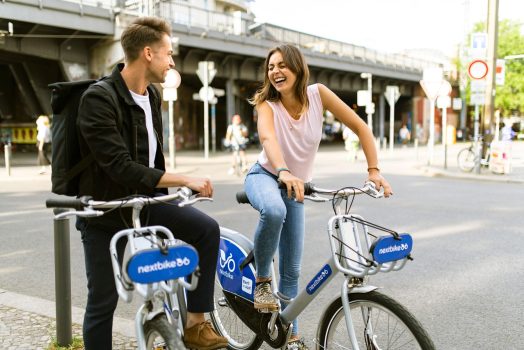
(369,188)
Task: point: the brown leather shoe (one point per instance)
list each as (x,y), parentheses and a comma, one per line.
(202,336)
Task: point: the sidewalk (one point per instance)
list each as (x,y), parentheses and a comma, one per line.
(29,323)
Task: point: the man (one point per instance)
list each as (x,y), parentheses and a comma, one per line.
(236,137)
(125,138)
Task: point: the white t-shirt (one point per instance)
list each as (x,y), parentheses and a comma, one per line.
(143,101)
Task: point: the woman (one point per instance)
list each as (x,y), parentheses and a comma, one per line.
(290,129)
(43,140)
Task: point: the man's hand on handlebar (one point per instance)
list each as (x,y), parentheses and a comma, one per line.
(201,185)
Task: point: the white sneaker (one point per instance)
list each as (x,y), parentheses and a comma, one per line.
(231,171)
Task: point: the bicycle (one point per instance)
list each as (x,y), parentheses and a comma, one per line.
(360,318)
(467,158)
(154,267)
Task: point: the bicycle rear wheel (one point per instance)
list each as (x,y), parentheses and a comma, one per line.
(229,325)
(379,322)
(466,159)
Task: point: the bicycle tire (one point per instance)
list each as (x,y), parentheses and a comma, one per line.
(229,325)
(160,334)
(393,326)
(466,159)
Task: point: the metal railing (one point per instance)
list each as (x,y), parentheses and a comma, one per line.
(183,13)
(234,24)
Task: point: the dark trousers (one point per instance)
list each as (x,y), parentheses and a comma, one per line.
(187,224)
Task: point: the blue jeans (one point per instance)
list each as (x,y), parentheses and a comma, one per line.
(281,226)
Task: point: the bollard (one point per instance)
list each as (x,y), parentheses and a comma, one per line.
(64,332)
(7,153)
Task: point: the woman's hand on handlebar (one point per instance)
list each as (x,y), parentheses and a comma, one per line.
(293,185)
(380,182)
(201,185)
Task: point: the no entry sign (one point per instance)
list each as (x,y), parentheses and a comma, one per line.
(478,69)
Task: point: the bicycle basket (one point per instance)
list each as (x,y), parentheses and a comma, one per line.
(359,252)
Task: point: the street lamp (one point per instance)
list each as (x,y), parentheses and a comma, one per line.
(170,85)
(370,107)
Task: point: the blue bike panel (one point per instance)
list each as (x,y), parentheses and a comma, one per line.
(232,279)
(149,266)
(387,248)
(319,279)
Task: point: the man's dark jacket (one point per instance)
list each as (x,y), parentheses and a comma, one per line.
(115,133)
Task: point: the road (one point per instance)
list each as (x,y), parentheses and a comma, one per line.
(465,283)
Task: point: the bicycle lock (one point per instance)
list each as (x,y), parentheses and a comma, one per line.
(64,332)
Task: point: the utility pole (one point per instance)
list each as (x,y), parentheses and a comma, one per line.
(487,123)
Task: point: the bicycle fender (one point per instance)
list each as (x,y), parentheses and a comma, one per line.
(363,289)
(152,315)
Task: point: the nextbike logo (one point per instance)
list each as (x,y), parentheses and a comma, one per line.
(228,263)
(319,279)
(390,248)
(394,248)
(162,265)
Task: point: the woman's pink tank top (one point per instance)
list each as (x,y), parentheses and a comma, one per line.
(298,139)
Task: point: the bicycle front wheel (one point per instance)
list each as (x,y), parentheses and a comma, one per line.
(229,325)
(379,322)
(466,159)
(160,334)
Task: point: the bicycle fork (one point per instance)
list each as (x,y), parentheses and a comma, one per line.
(346,290)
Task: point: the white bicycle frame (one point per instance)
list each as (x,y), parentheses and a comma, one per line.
(165,292)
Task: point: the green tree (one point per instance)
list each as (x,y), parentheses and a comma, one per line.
(510,96)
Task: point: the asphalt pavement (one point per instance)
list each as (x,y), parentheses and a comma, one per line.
(27,322)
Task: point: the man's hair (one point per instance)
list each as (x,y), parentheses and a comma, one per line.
(296,62)
(143,32)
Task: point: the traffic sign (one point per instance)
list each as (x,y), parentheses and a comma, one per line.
(206,93)
(169,94)
(500,72)
(478,86)
(363,98)
(431,82)
(201,71)
(478,69)
(392,94)
(477,98)
(173,79)
(479,45)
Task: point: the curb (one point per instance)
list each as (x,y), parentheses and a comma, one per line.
(436,172)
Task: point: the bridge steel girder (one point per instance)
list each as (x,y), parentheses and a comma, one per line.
(57,13)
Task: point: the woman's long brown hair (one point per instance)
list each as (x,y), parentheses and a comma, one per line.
(295,61)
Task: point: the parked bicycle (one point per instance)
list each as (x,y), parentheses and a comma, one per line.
(467,158)
(360,318)
(154,267)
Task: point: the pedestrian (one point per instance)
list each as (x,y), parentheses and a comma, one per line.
(290,129)
(43,141)
(125,138)
(506,132)
(404,135)
(351,143)
(236,139)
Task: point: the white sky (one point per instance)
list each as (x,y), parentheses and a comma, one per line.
(385,25)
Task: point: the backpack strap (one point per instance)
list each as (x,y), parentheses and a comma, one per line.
(87,160)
